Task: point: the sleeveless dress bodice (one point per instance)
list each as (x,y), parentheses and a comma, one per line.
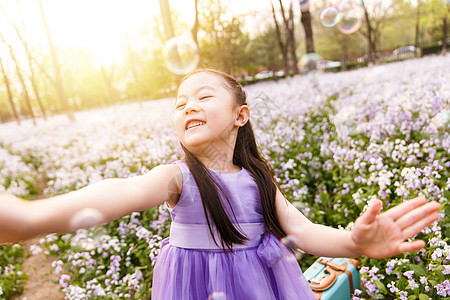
(192,266)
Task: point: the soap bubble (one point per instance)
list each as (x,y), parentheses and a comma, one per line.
(289,242)
(351,13)
(181,55)
(310,61)
(88,239)
(330,16)
(258,108)
(441,120)
(86,217)
(218,296)
(345,114)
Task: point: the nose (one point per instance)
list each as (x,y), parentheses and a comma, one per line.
(191,106)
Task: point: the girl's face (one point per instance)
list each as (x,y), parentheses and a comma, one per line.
(205,113)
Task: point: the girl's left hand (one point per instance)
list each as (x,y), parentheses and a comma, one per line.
(383,235)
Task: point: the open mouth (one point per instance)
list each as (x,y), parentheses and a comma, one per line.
(194,124)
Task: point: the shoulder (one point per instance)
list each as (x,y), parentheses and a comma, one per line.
(170,173)
(162,176)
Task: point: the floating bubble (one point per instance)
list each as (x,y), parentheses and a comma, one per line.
(88,239)
(351,16)
(84,218)
(258,108)
(441,120)
(181,55)
(345,114)
(290,244)
(218,296)
(330,17)
(310,61)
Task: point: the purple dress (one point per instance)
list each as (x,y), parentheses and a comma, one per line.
(191,266)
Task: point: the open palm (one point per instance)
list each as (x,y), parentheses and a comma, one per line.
(383,235)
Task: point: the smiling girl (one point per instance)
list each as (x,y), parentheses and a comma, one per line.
(228,212)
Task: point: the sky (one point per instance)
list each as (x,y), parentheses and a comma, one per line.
(98,25)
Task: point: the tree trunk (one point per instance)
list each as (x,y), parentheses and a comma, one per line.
(444,33)
(30,61)
(166,17)
(417,33)
(8,89)
(369,33)
(290,44)
(306,21)
(56,67)
(282,46)
(108,80)
(134,70)
(164,8)
(21,79)
(194,29)
(292,40)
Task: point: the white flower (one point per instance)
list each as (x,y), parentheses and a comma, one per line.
(35,249)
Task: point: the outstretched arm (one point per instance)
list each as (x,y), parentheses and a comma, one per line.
(95,204)
(374,235)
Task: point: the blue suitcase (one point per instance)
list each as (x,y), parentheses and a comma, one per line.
(333,278)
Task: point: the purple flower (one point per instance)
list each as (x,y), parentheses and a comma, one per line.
(408,274)
(63,279)
(423,280)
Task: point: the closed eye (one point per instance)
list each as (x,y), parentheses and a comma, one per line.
(205,97)
(180,105)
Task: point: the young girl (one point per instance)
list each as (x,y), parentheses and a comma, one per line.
(228,212)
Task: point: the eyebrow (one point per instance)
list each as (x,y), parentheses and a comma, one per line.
(203,87)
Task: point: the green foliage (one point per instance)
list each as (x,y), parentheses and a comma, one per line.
(12,278)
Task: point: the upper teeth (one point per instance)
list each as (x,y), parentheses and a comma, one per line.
(195,123)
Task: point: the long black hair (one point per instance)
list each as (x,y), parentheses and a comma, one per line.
(246,155)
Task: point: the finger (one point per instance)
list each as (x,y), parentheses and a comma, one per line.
(411,246)
(401,209)
(420,225)
(417,214)
(371,213)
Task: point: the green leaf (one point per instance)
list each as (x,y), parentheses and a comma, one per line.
(412,297)
(423,297)
(447,194)
(418,269)
(381,286)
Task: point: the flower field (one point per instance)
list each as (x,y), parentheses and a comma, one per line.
(335,141)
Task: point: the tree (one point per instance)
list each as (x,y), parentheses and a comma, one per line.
(8,89)
(436,19)
(288,48)
(224,43)
(283,45)
(375,17)
(306,20)
(133,67)
(30,62)
(289,26)
(194,29)
(265,51)
(21,79)
(56,67)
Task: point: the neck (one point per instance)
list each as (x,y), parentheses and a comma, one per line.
(218,157)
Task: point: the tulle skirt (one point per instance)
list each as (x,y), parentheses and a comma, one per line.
(268,271)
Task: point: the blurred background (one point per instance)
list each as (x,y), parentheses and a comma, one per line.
(61,56)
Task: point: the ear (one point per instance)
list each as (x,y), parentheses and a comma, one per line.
(242,116)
